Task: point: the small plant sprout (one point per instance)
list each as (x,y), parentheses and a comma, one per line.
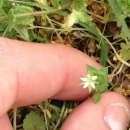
(95,80)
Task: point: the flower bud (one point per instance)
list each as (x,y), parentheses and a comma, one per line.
(71,19)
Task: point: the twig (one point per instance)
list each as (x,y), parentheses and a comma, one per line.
(54,28)
(14,118)
(44,111)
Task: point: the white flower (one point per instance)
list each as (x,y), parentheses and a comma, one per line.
(89,81)
(71,19)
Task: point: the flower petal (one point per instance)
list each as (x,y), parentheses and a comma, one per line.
(83,79)
(86,85)
(92,84)
(94,77)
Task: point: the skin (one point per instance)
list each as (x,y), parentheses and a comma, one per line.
(31,73)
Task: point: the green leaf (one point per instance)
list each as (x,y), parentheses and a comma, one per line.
(63,2)
(39,5)
(54,117)
(17,10)
(118,12)
(16,23)
(98,46)
(1,2)
(33,121)
(123,46)
(104,71)
(23,32)
(83,17)
(121,35)
(79,4)
(11,19)
(23,10)
(91,69)
(6,5)
(102,86)
(103,53)
(55,3)
(3,26)
(96,97)
(122,17)
(91,28)
(3,32)
(2,12)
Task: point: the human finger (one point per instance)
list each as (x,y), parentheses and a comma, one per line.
(5,123)
(112,112)
(44,71)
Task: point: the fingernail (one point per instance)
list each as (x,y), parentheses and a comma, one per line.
(117,116)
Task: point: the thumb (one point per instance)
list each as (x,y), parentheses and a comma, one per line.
(5,123)
(110,113)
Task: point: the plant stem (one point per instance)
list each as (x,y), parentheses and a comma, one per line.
(51,106)
(45,116)
(54,29)
(114,5)
(14,118)
(61,115)
(3,18)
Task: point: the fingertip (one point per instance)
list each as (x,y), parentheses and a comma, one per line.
(117,114)
(111,113)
